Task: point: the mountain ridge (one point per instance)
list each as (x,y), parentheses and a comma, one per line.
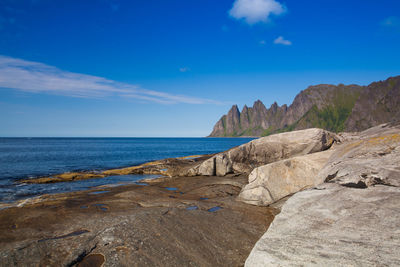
(332,107)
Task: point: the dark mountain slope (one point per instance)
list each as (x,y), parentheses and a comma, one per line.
(378,103)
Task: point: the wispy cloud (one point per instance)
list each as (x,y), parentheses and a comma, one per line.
(35,77)
(282,41)
(391,22)
(254,11)
(184,69)
(262,42)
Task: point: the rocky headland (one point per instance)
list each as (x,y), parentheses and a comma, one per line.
(333,200)
(336,108)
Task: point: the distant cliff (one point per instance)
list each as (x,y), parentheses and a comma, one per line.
(332,107)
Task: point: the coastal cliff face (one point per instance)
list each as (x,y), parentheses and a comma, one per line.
(332,107)
(378,103)
(252,121)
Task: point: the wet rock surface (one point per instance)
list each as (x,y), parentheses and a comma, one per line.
(136,225)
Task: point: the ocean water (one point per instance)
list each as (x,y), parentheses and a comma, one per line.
(32,157)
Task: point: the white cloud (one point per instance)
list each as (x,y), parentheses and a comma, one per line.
(282,41)
(35,77)
(184,69)
(254,11)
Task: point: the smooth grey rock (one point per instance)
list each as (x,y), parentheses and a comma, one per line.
(334,226)
(244,158)
(223,165)
(207,167)
(372,159)
(274,181)
(353,219)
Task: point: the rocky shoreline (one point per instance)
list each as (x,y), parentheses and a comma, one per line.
(166,167)
(338,196)
(185,221)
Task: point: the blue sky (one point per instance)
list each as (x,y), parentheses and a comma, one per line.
(172,68)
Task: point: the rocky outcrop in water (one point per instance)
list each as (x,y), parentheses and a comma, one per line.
(335,108)
(350,219)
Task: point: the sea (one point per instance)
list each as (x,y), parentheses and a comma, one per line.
(22,158)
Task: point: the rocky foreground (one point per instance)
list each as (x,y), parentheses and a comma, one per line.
(350,216)
(186,221)
(342,208)
(348,210)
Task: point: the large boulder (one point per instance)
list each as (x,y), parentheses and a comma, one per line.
(274,181)
(333,226)
(244,158)
(353,219)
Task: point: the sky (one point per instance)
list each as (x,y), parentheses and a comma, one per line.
(110,68)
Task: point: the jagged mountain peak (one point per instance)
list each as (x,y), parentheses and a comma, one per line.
(274,107)
(332,107)
(234,108)
(258,103)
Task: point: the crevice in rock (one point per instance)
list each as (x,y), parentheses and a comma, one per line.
(359,185)
(379,181)
(269,193)
(319,188)
(81,256)
(75,233)
(331,176)
(325,140)
(214,166)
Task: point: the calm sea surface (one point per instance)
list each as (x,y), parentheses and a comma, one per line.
(32,157)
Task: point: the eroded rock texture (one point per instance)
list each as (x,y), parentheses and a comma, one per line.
(352,219)
(244,158)
(272,182)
